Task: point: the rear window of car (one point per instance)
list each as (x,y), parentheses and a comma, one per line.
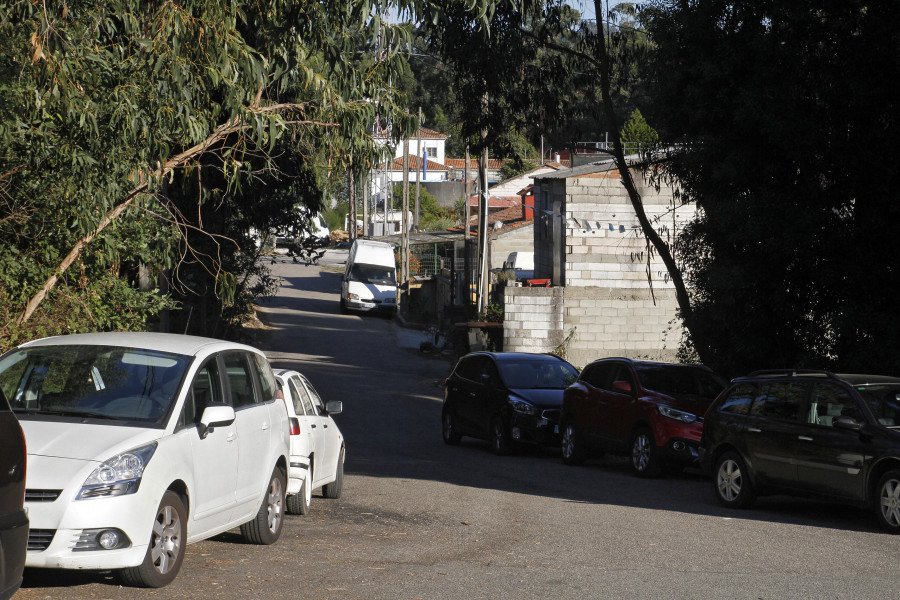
(537,374)
(469,367)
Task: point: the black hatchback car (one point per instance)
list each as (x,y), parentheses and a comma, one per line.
(807,432)
(13,520)
(505,397)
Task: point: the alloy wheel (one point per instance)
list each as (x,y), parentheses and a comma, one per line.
(166,543)
(890,502)
(729,480)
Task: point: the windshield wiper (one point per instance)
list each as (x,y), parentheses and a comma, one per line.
(67,413)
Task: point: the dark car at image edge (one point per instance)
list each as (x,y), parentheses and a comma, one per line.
(13,519)
(812,433)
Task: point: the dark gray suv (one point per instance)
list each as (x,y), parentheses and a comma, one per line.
(807,432)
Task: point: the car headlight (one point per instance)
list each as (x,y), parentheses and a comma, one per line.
(678,415)
(520,406)
(353,296)
(118,476)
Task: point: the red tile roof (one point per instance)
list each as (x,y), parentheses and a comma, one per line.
(460,163)
(498,201)
(427,134)
(415,163)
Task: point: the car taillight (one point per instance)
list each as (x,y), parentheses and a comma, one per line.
(295,426)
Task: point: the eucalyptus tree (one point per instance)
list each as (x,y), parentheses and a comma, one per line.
(103,104)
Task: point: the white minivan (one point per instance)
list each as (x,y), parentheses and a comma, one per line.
(142,443)
(370,279)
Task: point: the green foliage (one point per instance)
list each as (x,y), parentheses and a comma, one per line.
(251,107)
(513,168)
(636,135)
(787,116)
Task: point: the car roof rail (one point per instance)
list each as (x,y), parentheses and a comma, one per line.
(792,373)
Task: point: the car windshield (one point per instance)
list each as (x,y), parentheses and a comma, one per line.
(884,401)
(675,380)
(104,382)
(537,374)
(372,274)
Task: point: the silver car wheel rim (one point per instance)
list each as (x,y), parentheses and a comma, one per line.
(640,453)
(729,480)
(890,502)
(274,504)
(166,542)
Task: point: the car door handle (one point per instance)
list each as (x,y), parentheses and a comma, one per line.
(230,437)
(264,426)
(472,394)
(313,426)
(805,438)
(754,430)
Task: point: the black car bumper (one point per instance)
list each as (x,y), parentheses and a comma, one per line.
(541,429)
(684,452)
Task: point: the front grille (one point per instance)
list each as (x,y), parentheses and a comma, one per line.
(41,495)
(39,539)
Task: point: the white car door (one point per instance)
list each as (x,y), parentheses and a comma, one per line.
(214,457)
(253,425)
(328,442)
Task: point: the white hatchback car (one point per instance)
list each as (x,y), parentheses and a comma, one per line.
(141,443)
(317,446)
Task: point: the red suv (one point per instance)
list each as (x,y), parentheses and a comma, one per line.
(650,411)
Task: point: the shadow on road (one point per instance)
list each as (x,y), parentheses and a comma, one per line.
(391,420)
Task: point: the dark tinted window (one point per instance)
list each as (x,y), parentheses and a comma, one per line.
(884,402)
(779,400)
(598,375)
(373,274)
(739,399)
(620,373)
(469,367)
(549,373)
(205,388)
(266,377)
(240,379)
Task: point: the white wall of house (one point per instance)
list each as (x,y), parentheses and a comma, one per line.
(518,239)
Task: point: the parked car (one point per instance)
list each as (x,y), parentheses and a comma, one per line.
(141,443)
(650,411)
(13,519)
(807,432)
(317,446)
(506,398)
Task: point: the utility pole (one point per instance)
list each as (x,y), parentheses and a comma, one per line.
(366,186)
(419,171)
(404,234)
(352,224)
(483,231)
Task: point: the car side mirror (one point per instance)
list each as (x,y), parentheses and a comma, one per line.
(845,422)
(334,407)
(621,386)
(216,414)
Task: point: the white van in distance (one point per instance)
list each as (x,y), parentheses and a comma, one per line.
(370,279)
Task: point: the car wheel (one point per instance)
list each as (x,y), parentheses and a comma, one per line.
(298,504)
(449,429)
(265,528)
(732,481)
(645,456)
(572,452)
(888,509)
(499,437)
(333,490)
(166,550)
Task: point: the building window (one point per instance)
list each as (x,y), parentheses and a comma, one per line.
(431,152)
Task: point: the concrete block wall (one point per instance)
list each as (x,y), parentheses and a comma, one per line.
(604,243)
(533,319)
(520,239)
(607,322)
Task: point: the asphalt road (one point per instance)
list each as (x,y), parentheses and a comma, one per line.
(421,520)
